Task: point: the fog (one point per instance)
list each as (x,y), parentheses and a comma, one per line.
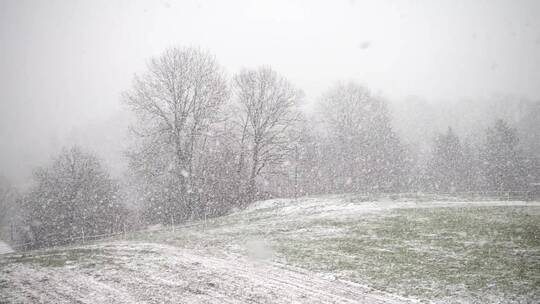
(374,151)
(64,64)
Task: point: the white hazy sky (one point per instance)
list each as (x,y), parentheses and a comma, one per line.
(63,64)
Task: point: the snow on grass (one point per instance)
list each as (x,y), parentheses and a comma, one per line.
(135,272)
(331,249)
(450,251)
(481,255)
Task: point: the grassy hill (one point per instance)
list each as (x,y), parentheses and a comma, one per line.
(332,249)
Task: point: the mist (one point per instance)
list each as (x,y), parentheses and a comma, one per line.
(64,63)
(360,151)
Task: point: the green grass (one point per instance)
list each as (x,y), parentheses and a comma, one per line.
(432,253)
(55,257)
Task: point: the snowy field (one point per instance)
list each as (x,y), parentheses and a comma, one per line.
(134,272)
(332,249)
(4,248)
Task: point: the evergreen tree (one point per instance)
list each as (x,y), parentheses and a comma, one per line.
(502,161)
(445,168)
(470,179)
(529,135)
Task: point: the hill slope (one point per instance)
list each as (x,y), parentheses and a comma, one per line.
(308,251)
(130,272)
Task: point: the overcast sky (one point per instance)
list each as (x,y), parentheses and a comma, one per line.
(63,64)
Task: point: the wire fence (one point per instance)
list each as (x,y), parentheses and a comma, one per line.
(473,195)
(54,240)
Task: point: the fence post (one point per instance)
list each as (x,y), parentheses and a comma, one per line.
(82,229)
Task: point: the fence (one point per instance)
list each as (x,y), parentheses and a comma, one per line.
(83,238)
(470,195)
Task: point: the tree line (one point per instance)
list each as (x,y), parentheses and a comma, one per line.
(204,144)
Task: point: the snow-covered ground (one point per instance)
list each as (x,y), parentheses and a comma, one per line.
(331,249)
(5,248)
(134,272)
(344,205)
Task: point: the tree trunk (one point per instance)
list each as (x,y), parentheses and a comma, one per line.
(255,164)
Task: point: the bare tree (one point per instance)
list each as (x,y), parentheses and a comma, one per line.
(267,111)
(362,152)
(176,101)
